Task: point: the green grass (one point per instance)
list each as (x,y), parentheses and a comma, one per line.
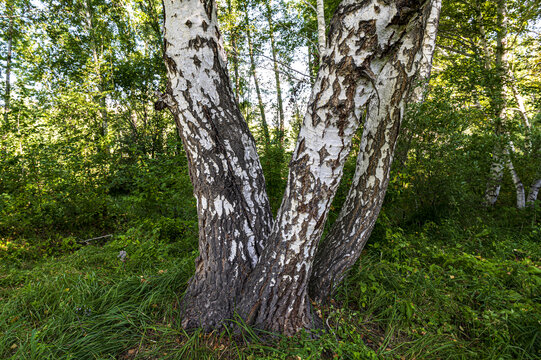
(443,291)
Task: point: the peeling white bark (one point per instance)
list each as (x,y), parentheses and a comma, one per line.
(371,45)
(233,209)
(356,220)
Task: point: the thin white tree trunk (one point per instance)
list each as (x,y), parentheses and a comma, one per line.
(321,28)
(518,98)
(534,191)
(499,105)
(422,77)
(264,123)
(101,85)
(235,53)
(495,177)
(482,32)
(7,94)
(274,50)
(519,187)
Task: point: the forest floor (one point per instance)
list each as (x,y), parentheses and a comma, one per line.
(436,291)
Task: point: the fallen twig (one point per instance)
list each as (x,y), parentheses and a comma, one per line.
(96,238)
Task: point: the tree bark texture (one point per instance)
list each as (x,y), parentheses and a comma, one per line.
(371,43)
(233,208)
(348,235)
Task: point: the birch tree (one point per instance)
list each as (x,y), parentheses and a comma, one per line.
(279,100)
(251,264)
(482,45)
(7,94)
(321,27)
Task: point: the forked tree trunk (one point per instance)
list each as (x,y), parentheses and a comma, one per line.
(248,263)
(371,44)
(502,154)
(348,235)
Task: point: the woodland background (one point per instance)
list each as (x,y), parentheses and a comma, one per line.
(83,154)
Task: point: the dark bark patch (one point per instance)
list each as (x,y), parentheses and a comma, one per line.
(170,63)
(366,34)
(198,42)
(406,9)
(209,5)
(323,153)
(343,48)
(301,147)
(196,61)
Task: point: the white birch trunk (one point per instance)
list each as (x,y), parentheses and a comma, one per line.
(274,50)
(351,230)
(534,191)
(321,28)
(7,94)
(371,43)
(374,52)
(233,209)
(518,98)
(519,187)
(499,106)
(495,177)
(264,123)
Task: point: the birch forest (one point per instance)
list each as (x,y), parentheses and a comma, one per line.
(270,179)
